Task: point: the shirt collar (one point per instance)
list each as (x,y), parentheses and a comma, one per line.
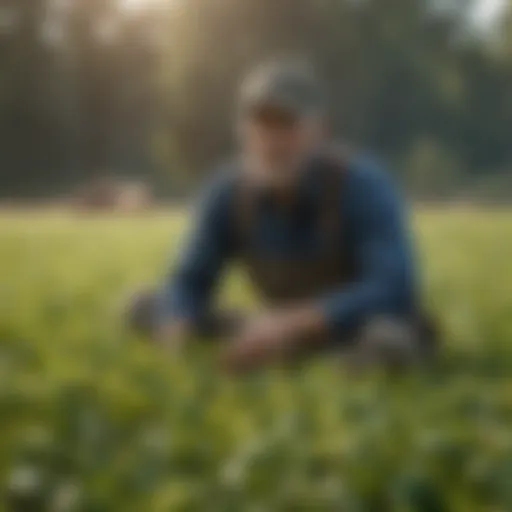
(306,188)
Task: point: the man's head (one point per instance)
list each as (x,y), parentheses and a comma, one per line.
(281,120)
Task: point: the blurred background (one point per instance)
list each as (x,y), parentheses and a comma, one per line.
(142,91)
(108,103)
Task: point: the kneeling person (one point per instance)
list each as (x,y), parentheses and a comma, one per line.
(323,235)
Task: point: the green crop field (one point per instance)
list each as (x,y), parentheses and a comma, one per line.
(94,420)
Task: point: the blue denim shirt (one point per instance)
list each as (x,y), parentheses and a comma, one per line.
(376,233)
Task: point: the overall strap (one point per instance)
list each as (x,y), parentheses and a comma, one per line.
(332,164)
(334,168)
(245,209)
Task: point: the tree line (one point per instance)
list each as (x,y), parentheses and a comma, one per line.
(89,88)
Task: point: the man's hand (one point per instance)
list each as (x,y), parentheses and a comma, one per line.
(272,337)
(173,335)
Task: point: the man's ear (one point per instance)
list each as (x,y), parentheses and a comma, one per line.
(325,128)
(238,129)
(319,130)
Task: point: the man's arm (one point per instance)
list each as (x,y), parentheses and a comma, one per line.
(386,277)
(189,287)
(385,283)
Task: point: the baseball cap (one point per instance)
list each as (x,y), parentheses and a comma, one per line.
(288,86)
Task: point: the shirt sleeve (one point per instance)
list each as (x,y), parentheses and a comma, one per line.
(382,252)
(189,287)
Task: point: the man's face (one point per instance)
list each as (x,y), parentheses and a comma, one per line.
(276,142)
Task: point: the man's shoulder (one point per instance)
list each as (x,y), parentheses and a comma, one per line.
(221,182)
(370,190)
(366,175)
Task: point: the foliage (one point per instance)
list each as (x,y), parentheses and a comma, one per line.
(88,88)
(95,421)
(398,72)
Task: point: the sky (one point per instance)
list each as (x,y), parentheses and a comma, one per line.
(486,11)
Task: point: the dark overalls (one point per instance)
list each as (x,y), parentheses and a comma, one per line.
(286,282)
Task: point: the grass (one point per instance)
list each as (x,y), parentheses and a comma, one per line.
(92,420)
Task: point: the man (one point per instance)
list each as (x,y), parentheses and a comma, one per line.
(322,233)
